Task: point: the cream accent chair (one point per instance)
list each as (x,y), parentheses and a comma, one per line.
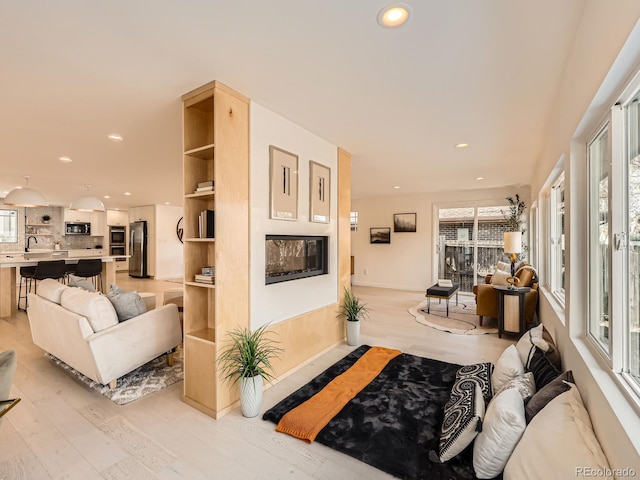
(81,328)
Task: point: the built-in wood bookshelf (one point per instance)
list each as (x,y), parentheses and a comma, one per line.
(216,147)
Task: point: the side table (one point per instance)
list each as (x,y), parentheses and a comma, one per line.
(511,309)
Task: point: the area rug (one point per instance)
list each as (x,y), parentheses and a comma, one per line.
(462,318)
(394,422)
(149,378)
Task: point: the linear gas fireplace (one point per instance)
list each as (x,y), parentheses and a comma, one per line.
(289,257)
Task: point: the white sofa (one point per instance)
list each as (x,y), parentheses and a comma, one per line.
(82,329)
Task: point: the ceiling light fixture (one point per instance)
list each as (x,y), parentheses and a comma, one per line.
(396,187)
(106,196)
(25,197)
(127,193)
(479,178)
(65,159)
(114,137)
(394,15)
(462,145)
(87,203)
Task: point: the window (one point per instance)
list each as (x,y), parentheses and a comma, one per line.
(598,159)
(556,278)
(8,226)
(354,221)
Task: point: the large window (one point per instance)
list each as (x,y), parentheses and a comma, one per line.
(556,274)
(613,156)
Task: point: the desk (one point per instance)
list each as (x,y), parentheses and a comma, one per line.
(9,265)
(511,309)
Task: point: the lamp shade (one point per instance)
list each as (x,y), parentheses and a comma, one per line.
(513,242)
(87,204)
(25,197)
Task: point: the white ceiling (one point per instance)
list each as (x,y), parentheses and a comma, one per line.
(483,72)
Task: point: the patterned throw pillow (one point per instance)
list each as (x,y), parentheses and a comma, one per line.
(463,415)
(481,372)
(524,384)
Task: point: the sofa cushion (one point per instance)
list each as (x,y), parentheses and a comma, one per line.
(531,339)
(543,370)
(127,304)
(500,278)
(547,393)
(95,307)
(503,266)
(502,428)
(81,282)
(51,290)
(557,443)
(508,367)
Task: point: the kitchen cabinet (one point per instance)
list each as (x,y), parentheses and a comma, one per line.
(98,224)
(118,218)
(76,216)
(96,219)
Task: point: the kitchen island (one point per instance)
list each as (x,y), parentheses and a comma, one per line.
(11,262)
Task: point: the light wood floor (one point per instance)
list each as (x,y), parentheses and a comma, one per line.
(63,430)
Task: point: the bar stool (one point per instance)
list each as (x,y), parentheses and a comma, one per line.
(55,269)
(90,268)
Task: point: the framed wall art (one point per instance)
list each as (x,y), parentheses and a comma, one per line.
(319,192)
(380,235)
(404,222)
(283,177)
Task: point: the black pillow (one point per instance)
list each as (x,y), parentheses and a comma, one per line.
(543,370)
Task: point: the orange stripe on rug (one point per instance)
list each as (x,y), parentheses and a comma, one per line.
(307,419)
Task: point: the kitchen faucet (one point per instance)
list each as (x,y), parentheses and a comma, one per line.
(26,249)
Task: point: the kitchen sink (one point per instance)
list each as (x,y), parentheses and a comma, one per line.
(44,254)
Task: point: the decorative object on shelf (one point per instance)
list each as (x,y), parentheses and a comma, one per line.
(352,311)
(513,246)
(247,361)
(206,186)
(87,203)
(319,192)
(380,235)
(25,197)
(283,176)
(404,222)
(46,218)
(180,229)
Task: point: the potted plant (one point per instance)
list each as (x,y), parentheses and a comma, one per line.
(46,218)
(352,311)
(247,360)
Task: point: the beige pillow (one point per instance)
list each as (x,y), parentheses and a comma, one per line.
(524,384)
(51,290)
(95,307)
(500,278)
(503,266)
(508,367)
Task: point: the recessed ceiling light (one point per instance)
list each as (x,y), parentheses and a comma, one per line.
(396,187)
(479,178)
(394,15)
(127,193)
(167,203)
(65,159)
(114,137)
(462,145)
(106,196)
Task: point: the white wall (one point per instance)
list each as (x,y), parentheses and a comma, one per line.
(281,301)
(169,251)
(409,262)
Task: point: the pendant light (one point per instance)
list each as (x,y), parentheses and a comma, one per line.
(87,203)
(25,197)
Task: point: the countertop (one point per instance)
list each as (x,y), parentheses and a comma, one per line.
(8,260)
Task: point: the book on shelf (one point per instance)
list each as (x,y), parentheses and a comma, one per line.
(205,278)
(206,224)
(208,183)
(204,189)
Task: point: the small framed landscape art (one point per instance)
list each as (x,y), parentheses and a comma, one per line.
(319,192)
(283,173)
(380,235)
(404,222)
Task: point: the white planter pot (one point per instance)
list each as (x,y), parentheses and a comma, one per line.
(251,395)
(353,333)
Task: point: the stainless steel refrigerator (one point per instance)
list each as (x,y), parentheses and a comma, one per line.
(138,249)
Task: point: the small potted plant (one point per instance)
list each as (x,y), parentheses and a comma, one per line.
(352,311)
(247,360)
(46,218)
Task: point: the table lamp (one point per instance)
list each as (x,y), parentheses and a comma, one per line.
(513,246)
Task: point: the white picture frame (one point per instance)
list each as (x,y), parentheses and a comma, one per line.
(283,184)
(319,193)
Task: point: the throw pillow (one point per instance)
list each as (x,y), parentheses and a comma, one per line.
(463,415)
(126,304)
(547,393)
(508,367)
(524,384)
(557,441)
(542,368)
(504,266)
(531,339)
(502,428)
(500,278)
(81,282)
(481,372)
